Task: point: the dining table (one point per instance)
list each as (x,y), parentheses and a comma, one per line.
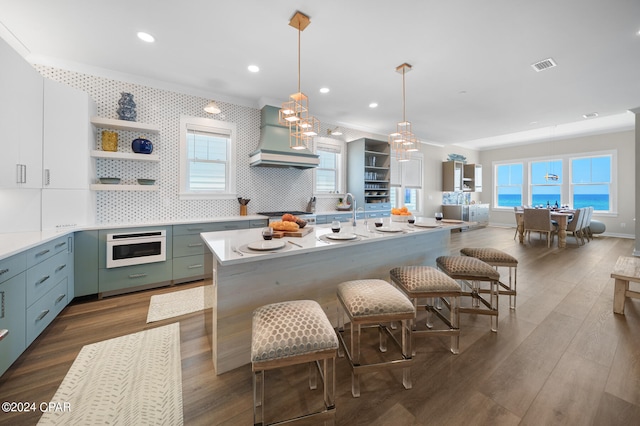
(560,216)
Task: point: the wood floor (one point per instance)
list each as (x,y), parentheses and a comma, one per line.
(562,357)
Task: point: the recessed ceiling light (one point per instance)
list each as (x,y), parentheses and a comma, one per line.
(324,90)
(533,123)
(590,115)
(146,37)
(373,105)
(253,68)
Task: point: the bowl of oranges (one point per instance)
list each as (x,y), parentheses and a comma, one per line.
(400,215)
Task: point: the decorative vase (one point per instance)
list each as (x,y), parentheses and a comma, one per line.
(126,107)
(109,141)
(142,146)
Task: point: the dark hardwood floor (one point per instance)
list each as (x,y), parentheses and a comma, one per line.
(562,357)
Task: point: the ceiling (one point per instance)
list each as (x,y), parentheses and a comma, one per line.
(472,83)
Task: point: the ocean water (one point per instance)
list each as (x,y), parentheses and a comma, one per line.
(598,201)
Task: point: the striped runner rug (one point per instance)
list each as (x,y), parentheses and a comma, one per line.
(130,380)
(170,305)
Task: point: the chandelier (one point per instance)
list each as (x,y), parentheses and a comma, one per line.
(403,141)
(295,112)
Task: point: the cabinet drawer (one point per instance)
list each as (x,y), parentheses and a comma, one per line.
(226,226)
(377,206)
(259,223)
(12,319)
(45,275)
(12,266)
(42,312)
(46,250)
(341,217)
(134,276)
(321,220)
(188,266)
(193,228)
(187,245)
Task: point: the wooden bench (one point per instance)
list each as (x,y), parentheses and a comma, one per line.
(627,269)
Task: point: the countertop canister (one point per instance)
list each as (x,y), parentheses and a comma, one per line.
(109,141)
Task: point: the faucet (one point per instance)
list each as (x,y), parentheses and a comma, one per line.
(353,205)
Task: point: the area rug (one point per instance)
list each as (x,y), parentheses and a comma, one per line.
(169,305)
(130,380)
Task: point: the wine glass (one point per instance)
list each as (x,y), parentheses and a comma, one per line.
(335,226)
(438,215)
(411,219)
(378,222)
(267,233)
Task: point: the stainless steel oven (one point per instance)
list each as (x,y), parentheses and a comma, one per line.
(135,248)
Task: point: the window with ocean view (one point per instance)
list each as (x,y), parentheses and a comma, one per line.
(546,183)
(591,182)
(509,185)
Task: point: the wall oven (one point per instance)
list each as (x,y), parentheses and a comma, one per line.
(135,248)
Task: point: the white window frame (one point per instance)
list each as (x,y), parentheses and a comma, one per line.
(613,195)
(523,186)
(399,187)
(212,126)
(341,164)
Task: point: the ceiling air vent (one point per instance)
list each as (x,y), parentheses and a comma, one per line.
(545,64)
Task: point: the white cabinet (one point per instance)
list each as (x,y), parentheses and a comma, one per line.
(20,121)
(68,137)
(472,180)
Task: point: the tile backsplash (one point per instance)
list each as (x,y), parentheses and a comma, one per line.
(268,188)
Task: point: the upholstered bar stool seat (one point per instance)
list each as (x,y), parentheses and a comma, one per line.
(498,258)
(424,282)
(290,333)
(374,302)
(472,272)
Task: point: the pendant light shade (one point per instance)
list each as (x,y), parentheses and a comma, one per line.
(295,112)
(212,108)
(403,141)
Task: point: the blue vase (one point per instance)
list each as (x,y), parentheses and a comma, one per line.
(126,107)
(142,146)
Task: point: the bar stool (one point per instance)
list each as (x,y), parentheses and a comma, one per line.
(370,303)
(425,282)
(472,272)
(497,258)
(290,333)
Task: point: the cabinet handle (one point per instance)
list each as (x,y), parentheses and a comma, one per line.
(43,252)
(2,304)
(137,275)
(3,333)
(61,267)
(61,244)
(62,296)
(194,229)
(42,315)
(47,177)
(4,271)
(24,173)
(231,227)
(41,280)
(195,245)
(18,173)
(195,266)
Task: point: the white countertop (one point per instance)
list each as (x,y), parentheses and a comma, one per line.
(222,243)
(16,242)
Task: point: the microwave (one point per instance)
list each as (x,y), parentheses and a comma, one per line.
(136,248)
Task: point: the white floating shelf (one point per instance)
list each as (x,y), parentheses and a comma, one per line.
(125,156)
(107,187)
(133,126)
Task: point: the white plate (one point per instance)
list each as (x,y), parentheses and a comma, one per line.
(425,225)
(388,229)
(340,236)
(266,245)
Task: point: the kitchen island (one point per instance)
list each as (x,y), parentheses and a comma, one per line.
(307,267)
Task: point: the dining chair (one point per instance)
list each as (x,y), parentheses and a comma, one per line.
(539,220)
(575,225)
(586,226)
(518,210)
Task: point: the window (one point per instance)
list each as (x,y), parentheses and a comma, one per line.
(207,158)
(546,182)
(328,174)
(591,182)
(406,183)
(508,185)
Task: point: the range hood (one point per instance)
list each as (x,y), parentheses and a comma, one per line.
(273,150)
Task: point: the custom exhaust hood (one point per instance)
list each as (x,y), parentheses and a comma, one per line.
(274,150)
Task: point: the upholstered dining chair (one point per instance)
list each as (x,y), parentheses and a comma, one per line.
(539,220)
(575,226)
(518,210)
(586,225)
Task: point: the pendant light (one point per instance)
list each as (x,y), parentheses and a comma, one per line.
(295,112)
(403,141)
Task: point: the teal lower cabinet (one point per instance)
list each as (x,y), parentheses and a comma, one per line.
(86,263)
(188,268)
(135,277)
(12,318)
(45,309)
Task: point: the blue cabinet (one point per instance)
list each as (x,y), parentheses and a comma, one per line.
(12,310)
